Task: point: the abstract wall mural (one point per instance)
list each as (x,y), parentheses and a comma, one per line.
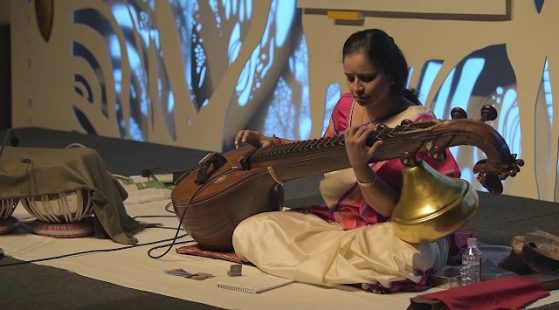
(159,71)
(192,73)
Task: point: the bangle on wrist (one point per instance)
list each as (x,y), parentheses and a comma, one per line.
(367,184)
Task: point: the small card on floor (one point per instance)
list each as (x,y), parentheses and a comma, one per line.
(185,274)
(178,272)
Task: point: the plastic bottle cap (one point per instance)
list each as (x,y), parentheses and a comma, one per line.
(472,241)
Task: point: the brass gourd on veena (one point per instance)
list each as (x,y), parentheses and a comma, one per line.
(431,204)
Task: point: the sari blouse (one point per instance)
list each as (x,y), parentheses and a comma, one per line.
(344,202)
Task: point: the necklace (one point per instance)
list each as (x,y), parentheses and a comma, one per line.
(397,110)
(362,117)
(384,118)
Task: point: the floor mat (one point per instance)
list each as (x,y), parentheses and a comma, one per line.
(132,267)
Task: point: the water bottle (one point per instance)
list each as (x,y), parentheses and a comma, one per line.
(471,263)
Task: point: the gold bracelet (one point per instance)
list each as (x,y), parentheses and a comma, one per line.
(367,184)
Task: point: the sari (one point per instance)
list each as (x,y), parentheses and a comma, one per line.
(344,241)
(339,188)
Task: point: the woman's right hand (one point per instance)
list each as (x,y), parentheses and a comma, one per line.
(358,152)
(251,137)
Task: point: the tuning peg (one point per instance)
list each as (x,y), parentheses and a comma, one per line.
(437,153)
(488,113)
(458,113)
(409,159)
(381,127)
(481,178)
(519,162)
(406,122)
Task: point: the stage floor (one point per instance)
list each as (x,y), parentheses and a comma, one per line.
(131,267)
(130,278)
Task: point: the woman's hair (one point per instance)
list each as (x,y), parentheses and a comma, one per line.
(385,55)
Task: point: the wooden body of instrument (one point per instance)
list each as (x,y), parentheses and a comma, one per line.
(224,190)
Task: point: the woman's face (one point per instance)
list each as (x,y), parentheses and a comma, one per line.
(368,85)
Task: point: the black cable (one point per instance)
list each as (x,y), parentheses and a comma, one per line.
(170,246)
(165,227)
(102,250)
(150,173)
(182,216)
(178,227)
(152,216)
(168,209)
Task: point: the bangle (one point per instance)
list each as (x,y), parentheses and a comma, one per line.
(367,184)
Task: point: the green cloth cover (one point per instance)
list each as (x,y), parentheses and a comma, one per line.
(29,172)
